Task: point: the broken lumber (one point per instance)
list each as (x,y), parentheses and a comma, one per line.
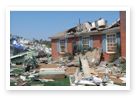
(118,61)
(86,69)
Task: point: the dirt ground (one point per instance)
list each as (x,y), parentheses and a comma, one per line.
(72,70)
(116,80)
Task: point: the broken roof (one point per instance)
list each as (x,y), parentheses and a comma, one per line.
(115,27)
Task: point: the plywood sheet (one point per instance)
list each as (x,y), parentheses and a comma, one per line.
(85,68)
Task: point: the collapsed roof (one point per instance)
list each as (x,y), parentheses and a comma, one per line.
(89,28)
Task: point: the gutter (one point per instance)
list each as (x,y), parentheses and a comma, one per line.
(61,37)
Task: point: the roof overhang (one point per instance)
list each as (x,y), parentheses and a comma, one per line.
(112,30)
(95,32)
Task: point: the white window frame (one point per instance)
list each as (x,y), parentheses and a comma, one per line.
(82,40)
(60,49)
(107,44)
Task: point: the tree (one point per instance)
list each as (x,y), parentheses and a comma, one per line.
(41,41)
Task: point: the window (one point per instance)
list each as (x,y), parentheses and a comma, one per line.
(111,42)
(85,42)
(62,45)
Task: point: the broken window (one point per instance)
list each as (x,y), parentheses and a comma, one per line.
(111,42)
(85,42)
(62,45)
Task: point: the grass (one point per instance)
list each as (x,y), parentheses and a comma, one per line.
(12,84)
(56,82)
(123,67)
(120,84)
(17,71)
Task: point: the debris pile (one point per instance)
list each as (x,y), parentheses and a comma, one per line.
(101,75)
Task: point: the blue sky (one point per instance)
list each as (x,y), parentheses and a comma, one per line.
(42,24)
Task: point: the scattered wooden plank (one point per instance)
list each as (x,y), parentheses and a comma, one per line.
(118,61)
(85,68)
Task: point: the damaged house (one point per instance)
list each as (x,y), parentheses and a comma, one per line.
(92,34)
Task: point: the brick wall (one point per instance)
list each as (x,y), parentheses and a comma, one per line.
(55,55)
(107,56)
(97,40)
(123,32)
(70,40)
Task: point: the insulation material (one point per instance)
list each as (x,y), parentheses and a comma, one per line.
(85,26)
(88,26)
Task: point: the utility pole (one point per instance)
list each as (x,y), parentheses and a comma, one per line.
(79,25)
(79,20)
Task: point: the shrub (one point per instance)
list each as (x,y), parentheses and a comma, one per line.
(66,54)
(123,61)
(69,55)
(82,51)
(75,48)
(123,66)
(90,49)
(79,48)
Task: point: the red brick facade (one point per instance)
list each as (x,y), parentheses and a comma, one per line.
(70,40)
(55,55)
(97,41)
(123,32)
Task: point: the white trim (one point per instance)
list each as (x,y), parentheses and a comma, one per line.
(82,39)
(62,52)
(59,47)
(106,42)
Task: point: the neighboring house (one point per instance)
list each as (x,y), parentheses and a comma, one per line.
(95,34)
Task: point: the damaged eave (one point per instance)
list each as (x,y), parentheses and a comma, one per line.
(95,32)
(61,37)
(112,30)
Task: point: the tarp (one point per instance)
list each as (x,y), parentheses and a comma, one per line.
(14,38)
(19,47)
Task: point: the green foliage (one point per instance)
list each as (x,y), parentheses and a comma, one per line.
(65,55)
(12,84)
(123,61)
(80,49)
(120,84)
(48,46)
(17,71)
(90,49)
(123,67)
(75,48)
(47,43)
(41,41)
(69,55)
(56,82)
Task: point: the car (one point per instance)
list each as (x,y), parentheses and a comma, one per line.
(41,54)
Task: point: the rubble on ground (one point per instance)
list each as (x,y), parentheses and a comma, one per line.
(88,70)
